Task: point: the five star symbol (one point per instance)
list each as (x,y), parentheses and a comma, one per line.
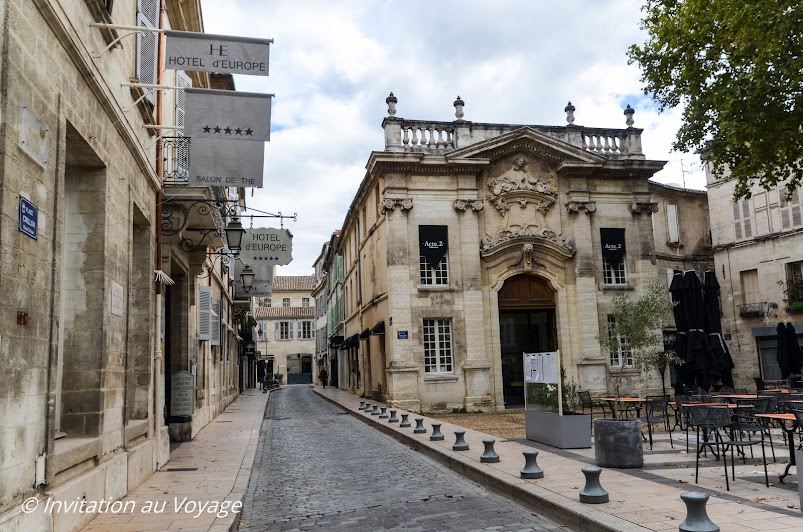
(228,130)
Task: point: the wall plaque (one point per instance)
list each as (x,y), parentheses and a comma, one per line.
(182,394)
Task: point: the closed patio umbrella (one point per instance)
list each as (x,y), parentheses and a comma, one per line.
(788,352)
(713,327)
(699,356)
(682,374)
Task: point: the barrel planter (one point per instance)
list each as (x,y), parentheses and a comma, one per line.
(617,443)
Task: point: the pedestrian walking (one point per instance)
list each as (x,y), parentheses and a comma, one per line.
(323,375)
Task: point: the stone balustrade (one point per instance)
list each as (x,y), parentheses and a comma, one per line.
(435,137)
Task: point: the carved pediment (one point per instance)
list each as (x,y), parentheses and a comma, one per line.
(545,236)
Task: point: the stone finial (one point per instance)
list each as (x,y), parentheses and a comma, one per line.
(391,101)
(458,108)
(629,112)
(569,113)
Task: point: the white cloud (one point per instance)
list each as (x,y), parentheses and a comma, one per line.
(512,61)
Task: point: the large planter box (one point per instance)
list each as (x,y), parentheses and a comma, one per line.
(798,463)
(564,432)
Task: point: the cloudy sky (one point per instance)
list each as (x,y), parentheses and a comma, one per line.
(333,63)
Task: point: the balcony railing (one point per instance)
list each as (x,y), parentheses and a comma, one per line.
(753,310)
(176,159)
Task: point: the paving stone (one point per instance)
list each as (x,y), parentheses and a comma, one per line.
(316,469)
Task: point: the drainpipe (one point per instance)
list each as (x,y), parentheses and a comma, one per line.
(158,392)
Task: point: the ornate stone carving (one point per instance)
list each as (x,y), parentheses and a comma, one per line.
(389,204)
(527,258)
(647,207)
(476,205)
(506,235)
(581,206)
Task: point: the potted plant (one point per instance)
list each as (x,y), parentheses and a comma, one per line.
(637,324)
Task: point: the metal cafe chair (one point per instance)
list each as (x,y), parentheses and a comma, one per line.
(656,410)
(747,423)
(586,401)
(715,423)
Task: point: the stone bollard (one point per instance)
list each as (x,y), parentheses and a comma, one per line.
(393,418)
(437,435)
(419,426)
(489,456)
(384,414)
(593,492)
(531,469)
(460,443)
(375,411)
(696,517)
(362,405)
(404,422)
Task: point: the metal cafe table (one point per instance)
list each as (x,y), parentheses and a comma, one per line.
(637,402)
(790,433)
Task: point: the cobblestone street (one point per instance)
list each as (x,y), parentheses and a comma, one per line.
(318,468)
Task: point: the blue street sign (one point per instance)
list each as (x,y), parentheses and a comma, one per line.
(401,335)
(29,218)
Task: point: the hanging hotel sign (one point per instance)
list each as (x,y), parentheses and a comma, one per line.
(226,163)
(262,285)
(229,115)
(613,245)
(224,54)
(267,246)
(433,243)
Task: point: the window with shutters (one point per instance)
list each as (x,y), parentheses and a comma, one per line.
(672,224)
(204,311)
(284,330)
(791,214)
(742,222)
(147,17)
(437,346)
(286,302)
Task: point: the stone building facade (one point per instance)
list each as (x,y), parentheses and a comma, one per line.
(85,350)
(286,328)
(468,244)
(758,255)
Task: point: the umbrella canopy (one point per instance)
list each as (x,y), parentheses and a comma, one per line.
(788,353)
(676,290)
(713,327)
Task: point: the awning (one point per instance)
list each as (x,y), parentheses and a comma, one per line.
(352,341)
(335,342)
(365,334)
(379,328)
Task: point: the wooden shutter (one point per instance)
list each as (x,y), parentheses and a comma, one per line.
(791,215)
(204,307)
(672,223)
(290,329)
(750,286)
(742,224)
(276,331)
(181,164)
(147,17)
(214,323)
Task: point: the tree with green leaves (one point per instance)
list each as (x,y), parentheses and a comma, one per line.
(736,67)
(637,326)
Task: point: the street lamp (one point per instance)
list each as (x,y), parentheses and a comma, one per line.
(247,277)
(234,235)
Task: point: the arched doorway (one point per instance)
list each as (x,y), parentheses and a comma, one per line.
(526,325)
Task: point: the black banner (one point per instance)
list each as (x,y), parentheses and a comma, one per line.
(613,245)
(433,243)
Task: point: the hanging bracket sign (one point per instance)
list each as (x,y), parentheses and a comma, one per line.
(267,246)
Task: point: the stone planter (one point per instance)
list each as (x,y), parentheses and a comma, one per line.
(564,432)
(617,443)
